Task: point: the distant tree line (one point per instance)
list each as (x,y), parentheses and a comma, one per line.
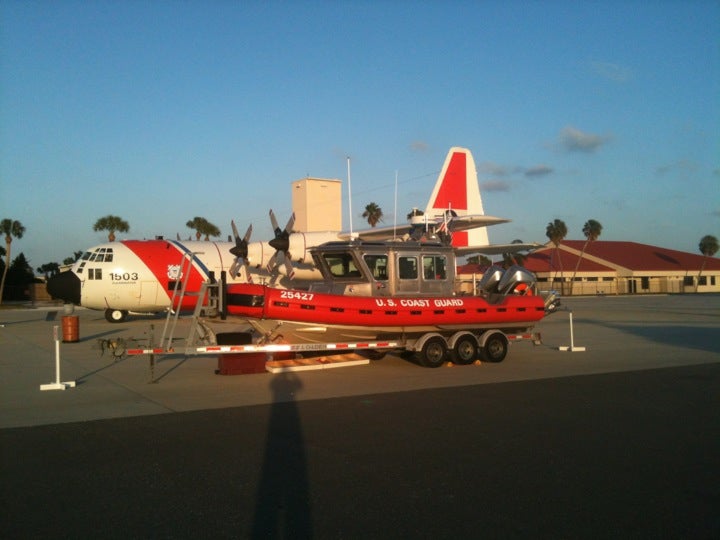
(18,275)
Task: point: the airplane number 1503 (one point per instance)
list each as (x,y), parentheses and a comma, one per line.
(127,276)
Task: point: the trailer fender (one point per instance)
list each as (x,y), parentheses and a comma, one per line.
(420,343)
(452,340)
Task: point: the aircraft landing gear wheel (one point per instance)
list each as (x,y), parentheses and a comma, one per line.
(495,348)
(433,353)
(465,351)
(115,315)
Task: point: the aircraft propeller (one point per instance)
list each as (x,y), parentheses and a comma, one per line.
(240,250)
(281,244)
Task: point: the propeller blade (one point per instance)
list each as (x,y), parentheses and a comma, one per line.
(240,251)
(275,226)
(290,224)
(289,270)
(281,244)
(272,262)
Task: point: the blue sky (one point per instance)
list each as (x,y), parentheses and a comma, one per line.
(159,111)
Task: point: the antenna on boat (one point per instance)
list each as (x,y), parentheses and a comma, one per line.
(395,221)
(352,236)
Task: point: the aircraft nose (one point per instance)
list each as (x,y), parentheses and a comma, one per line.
(65,286)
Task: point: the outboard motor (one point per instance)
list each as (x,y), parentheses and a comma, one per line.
(491,278)
(516,279)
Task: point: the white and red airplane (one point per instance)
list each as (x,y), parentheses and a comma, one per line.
(140,276)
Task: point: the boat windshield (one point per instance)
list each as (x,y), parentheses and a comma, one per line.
(341,265)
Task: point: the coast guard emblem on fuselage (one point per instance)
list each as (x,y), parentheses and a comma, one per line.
(173,272)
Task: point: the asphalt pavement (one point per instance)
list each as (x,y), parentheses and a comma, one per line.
(621,440)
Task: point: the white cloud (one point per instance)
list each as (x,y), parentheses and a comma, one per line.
(574,140)
(495,185)
(613,72)
(419,146)
(538,170)
(492,169)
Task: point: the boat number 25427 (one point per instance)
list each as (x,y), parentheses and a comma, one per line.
(297,295)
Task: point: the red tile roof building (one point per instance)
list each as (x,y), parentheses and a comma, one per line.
(621,268)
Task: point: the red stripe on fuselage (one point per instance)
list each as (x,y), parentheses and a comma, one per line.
(160,256)
(453,191)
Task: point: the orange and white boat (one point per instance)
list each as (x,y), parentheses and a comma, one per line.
(406,291)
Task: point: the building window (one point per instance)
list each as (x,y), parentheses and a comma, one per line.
(645,283)
(688,281)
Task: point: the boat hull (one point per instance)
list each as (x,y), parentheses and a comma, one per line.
(318,317)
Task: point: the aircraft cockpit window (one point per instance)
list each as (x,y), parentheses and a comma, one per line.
(86,256)
(434,267)
(341,265)
(378,266)
(408,267)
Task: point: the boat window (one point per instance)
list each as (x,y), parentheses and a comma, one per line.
(341,265)
(408,268)
(378,266)
(434,267)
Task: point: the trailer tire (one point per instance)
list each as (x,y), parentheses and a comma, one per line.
(433,353)
(465,350)
(495,347)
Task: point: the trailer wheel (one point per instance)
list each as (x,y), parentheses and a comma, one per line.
(495,348)
(115,315)
(465,350)
(433,353)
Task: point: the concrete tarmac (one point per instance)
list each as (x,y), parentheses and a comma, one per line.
(621,440)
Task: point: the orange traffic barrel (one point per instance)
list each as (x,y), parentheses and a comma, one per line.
(71,328)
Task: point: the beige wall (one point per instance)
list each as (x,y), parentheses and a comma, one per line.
(317,203)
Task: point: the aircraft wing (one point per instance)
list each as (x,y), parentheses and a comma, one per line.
(464,223)
(497,249)
(457,223)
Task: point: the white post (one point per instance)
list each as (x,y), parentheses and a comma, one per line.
(57,385)
(572,347)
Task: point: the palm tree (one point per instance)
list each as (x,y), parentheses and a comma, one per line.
(514,258)
(556,231)
(592,230)
(10,228)
(111,224)
(708,246)
(203,226)
(373,213)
